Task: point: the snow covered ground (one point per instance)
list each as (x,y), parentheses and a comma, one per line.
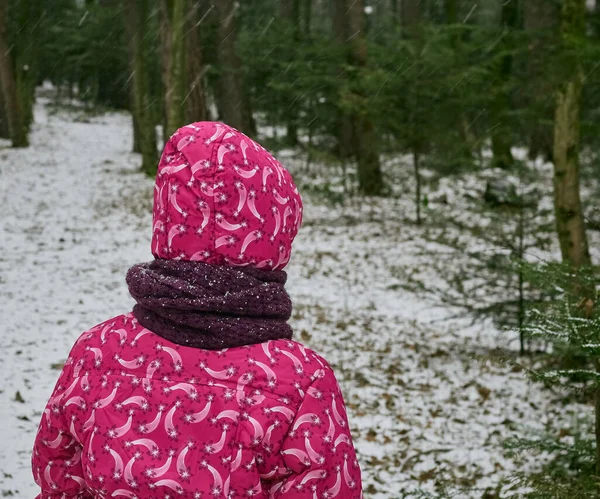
(428,408)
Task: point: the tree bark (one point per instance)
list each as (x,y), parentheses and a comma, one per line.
(417,168)
(501,139)
(290,10)
(370,178)
(307,16)
(233,101)
(467,145)
(26,55)
(411,13)
(174,63)
(451,8)
(196,108)
(4,130)
(14,113)
(541,19)
(340,31)
(567,202)
(136,12)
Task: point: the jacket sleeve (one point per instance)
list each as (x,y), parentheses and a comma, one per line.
(56,458)
(317,452)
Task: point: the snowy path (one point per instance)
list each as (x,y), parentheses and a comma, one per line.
(76,215)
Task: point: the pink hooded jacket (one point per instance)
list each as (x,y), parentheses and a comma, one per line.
(135,416)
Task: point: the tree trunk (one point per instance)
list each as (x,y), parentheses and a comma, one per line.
(567,203)
(411,13)
(541,20)
(417,167)
(370,179)
(14,114)
(501,139)
(136,12)
(136,134)
(451,8)
(233,101)
(344,128)
(26,54)
(4,130)
(307,16)
(290,10)
(174,61)
(196,108)
(467,144)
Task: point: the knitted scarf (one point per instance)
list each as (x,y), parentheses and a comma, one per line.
(210,306)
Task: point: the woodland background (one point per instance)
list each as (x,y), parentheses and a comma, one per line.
(473,126)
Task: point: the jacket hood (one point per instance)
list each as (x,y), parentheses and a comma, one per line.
(222,198)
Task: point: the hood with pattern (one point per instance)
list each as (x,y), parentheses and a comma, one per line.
(222,198)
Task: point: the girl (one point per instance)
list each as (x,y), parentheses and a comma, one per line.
(200,391)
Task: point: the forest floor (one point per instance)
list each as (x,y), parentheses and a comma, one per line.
(432,394)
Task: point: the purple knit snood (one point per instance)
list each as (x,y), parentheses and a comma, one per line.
(210,306)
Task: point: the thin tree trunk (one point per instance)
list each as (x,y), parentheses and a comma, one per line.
(307,16)
(411,13)
(417,166)
(26,54)
(290,10)
(174,60)
(233,102)
(136,12)
(567,203)
(344,127)
(196,108)
(136,134)
(501,139)
(370,179)
(597,426)
(14,114)
(4,130)
(451,8)
(541,19)
(465,148)
(520,252)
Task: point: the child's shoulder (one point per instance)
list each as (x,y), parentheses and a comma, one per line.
(120,325)
(94,339)
(300,355)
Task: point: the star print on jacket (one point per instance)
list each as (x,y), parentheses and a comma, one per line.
(134,416)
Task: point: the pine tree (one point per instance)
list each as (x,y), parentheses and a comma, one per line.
(569,325)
